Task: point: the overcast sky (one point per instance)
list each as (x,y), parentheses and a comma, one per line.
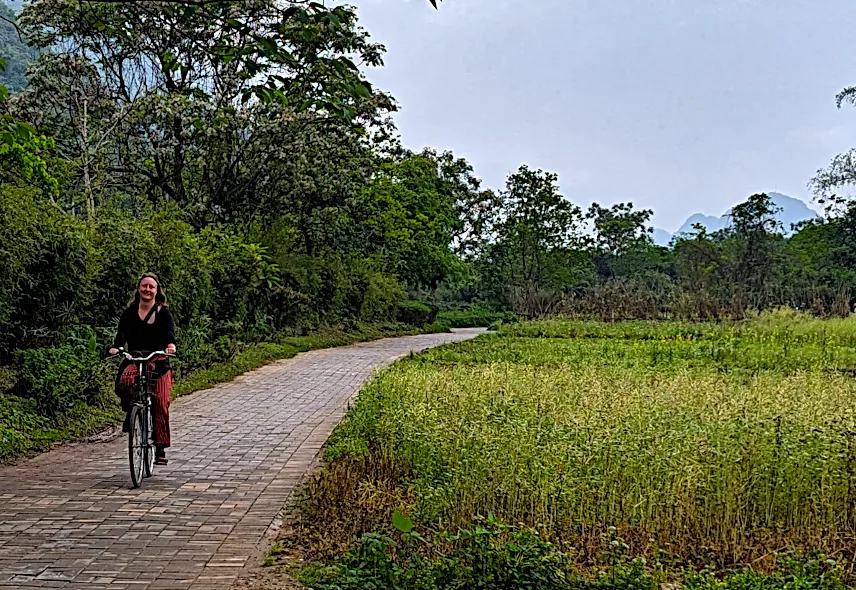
(681,106)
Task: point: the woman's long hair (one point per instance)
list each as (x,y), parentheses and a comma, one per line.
(160,295)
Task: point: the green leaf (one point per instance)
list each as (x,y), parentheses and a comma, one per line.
(401,522)
(269,45)
(4,92)
(2,65)
(24,130)
(349,63)
(363,90)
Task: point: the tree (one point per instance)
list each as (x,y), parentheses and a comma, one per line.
(22,162)
(21,149)
(841,172)
(293,52)
(619,229)
(187,79)
(755,243)
(67,99)
(534,230)
(412,214)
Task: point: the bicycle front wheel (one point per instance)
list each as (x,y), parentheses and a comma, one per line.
(136,446)
(149,451)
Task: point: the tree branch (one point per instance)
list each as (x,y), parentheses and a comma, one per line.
(17,27)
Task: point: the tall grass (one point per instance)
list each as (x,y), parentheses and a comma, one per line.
(720,442)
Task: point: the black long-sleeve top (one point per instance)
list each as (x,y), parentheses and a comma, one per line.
(140,336)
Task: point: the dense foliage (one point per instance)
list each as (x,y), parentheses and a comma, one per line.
(256,174)
(492,555)
(235,148)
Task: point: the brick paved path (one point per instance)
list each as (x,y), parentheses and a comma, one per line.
(68,518)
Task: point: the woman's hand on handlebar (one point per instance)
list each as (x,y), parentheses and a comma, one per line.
(113,351)
(170,349)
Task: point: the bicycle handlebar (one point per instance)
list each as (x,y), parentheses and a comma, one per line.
(141,359)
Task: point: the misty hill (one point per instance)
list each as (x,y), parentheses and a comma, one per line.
(16,53)
(661,237)
(792,211)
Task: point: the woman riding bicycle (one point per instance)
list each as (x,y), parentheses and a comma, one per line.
(147,325)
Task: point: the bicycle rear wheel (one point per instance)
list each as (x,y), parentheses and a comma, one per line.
(136,446)
(149,450)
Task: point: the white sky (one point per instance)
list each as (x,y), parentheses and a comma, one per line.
(678,106)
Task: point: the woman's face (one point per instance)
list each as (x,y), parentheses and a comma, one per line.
(148,289)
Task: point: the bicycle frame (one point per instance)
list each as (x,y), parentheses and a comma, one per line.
(142,396)
(141,456)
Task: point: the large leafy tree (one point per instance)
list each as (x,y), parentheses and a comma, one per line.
(413,215)
(287,52)
(536,231)
(620,229)
(189,83)
(754,243)
(68,100)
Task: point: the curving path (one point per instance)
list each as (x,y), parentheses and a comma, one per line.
(68,518)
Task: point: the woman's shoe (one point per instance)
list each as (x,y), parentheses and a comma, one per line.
(160,456)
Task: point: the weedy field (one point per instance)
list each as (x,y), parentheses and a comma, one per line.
(692,446)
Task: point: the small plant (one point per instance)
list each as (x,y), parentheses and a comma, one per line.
(272,556)
(488,556)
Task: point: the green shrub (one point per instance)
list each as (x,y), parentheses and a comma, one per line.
(793,573)
(289,307)
(56,378)
(416,313)
(47,261)
(125,249)
(242,276)
(183,262)
(475,318)
(489,556)
(494,555)
(380,298)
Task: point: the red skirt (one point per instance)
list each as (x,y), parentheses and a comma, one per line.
(160,388)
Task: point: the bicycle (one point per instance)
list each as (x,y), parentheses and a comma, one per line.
(141,454)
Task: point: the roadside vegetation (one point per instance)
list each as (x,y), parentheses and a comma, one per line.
(649,450)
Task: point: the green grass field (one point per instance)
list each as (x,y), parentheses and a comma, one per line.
(690,444)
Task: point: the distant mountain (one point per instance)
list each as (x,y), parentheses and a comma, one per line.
(711,222)
(16,53)
(792,211)
(661,237)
